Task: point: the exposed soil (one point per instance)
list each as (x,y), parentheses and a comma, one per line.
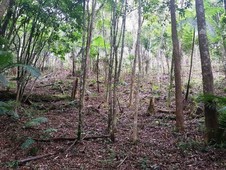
(159,147)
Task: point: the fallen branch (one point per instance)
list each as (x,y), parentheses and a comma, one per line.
(55,139)
(42,86)
(71,139)
(23,161)
(172,111)
(122,161)
(74,143)
(165,111)
(166,117)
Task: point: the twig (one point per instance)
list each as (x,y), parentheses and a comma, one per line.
(74,143)
(122,161)
(61,89)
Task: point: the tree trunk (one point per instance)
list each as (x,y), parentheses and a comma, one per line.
(73,63)
(191,63)
(91,18)
(177,69)
(211,120)
(123,38)
(114,67)
(74,60)
(82,76)
(3,7)
(137,91)
(224,43)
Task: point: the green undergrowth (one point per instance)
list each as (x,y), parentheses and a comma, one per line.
(191,144)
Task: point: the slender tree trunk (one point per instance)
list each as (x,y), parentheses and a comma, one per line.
(106,61)
(224,43)
(123,38)
(170,82)
(132,82)
(177,69)
(91,19)
(82,76)
(136,59)
(191,63)
(73,63)
(114,68)
(115,45)
(97,67)
(110,71)
(5,22)
(211,120)
(137,91)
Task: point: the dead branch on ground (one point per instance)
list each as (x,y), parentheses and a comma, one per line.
(71,138)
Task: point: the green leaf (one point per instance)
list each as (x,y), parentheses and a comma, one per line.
(35,122)
(27,143)
(99,42)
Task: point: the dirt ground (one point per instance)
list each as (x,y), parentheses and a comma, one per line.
(160,146)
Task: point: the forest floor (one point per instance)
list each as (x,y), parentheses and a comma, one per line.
(160,146)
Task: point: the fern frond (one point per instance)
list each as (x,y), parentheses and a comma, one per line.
(29,141)
(36,121)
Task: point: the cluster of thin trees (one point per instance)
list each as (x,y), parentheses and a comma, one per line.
(33,28)
(115,62)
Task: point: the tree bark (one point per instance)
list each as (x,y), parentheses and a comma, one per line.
(177,69)
(211,120)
